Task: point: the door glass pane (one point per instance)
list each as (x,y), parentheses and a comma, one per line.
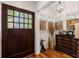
(10,25)
(30,26)
(21,25)
(26,16)
(21,20)
(21,14)
(26,20)
(16,25)
(30,21)
(30,16)
(16,19)
(26,25)
(10,18)
(10,12)
(16,13)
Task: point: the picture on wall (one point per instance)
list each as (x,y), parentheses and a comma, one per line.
(42,25)
(59,25)
(71,23)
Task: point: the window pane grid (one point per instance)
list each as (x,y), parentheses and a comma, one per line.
(22,14)
(16,13)
(21,25)
(10,25)
(22,17)
(16,16)
(10,22)
(30,16)
(19,20)
(26,21)
(26,26)
(13,19)
(30,21)
(10,12)
(16,25)
(10,19)
(26,18)
(30,24)
(10,15)
(16,19)
(26,15)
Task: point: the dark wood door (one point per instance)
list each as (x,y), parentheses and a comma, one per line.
(17,31)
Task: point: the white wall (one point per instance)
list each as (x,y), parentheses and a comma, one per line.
(39,34)
(24,5)
(45,15)
(27,5)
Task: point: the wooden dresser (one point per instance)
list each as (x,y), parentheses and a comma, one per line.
(67,44)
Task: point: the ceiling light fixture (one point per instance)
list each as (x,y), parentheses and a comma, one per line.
(60,7)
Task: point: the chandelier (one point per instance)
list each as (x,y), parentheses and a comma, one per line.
(60,7)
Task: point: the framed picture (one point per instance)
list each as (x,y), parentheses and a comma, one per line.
(51,26)
(42,25)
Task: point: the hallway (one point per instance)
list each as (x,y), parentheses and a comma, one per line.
(28,28)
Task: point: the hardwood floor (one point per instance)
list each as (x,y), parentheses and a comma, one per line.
(50,54)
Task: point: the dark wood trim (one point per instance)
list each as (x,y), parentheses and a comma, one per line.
(4,41)
(34,29)
(21,54)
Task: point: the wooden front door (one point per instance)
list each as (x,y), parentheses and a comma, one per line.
(17,31)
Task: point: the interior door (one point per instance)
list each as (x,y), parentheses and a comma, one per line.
(17,31)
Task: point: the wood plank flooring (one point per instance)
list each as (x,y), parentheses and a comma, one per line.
(50,54)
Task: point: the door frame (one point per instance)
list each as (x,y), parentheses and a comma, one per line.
(4,41)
